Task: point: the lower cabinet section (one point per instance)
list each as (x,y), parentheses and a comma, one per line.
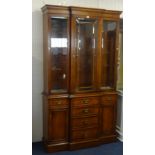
(78,122)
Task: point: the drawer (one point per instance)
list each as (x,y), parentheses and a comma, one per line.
(84,101)
(84,122)
(54,103)
(109,99)
(84,134)
(84,111)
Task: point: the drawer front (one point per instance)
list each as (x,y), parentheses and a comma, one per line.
(84,122)
(58,103)
(84,101)
(84,134)
(108,99)
(88,111)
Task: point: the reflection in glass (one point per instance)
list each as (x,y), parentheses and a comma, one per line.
(86,49)
(59,54)
(59,42)
(108,53)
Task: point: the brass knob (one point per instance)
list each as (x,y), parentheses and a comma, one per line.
(59,102)
(85,110)
(85,101)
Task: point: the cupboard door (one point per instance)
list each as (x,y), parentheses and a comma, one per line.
(108,119)
(84,53)
(59,54)
(108,54)
(58,125)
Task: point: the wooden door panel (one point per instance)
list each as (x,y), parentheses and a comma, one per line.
(108,120)
(58,125)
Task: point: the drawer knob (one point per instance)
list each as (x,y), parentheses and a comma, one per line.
(85,101)
(85,110)
(59,102)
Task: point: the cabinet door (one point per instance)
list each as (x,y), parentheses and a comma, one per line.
(84,51)
(59,54)
(58,125)
(108,119)
(108,54)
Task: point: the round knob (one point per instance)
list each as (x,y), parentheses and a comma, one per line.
(58,102)
(85,101)
(85,110)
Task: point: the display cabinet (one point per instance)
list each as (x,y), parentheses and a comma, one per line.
(80,70)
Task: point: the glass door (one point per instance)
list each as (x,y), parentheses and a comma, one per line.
(108,54)
(86,48)
(59,54)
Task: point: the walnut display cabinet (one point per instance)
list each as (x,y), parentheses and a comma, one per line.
(80,70)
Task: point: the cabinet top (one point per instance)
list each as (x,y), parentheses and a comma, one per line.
(75,9)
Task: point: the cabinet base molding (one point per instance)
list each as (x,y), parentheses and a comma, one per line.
(79,145)
(55,147)
(83,144)
(108,139)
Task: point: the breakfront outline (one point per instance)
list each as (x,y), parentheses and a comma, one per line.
(80,74)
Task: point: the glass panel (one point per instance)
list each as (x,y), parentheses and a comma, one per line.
(86,49)
(108,53)
(59,53)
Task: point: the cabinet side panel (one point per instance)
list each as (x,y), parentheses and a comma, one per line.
(45,51)
(45,118)
(116,55)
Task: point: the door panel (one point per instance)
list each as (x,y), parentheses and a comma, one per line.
(108,120)
(58,125)
(108,50)
(59,54)
(85,50)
